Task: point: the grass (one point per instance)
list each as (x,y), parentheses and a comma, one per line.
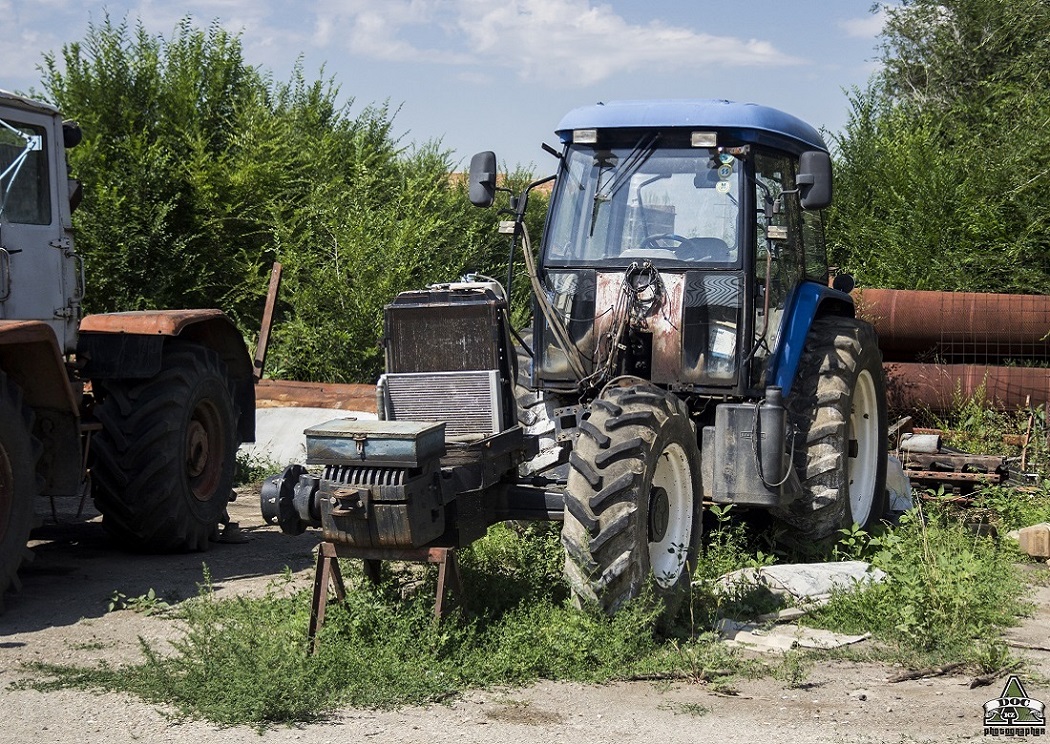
(244,660)
(251,468)
(948,595)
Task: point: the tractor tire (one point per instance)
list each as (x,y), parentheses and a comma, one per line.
(19,452)
(164,461)
(535,411)
(838,408)
(632,508)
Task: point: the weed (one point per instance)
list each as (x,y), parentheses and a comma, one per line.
(793,668)
(727,547)
(253,468)
(696,710)
(145,604)
(245,660)
(947,591)
(1012,508)
(89,645)
(974,426)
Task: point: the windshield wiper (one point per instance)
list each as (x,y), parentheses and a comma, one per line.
(634,160)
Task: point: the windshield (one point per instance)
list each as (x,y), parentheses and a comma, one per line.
(666,205)
(23,175)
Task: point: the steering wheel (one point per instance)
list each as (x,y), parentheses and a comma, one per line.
(654,241)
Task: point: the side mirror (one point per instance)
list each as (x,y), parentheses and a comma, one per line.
(483,179)
(814,179)
(71,134)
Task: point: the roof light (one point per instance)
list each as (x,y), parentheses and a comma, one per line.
(705,139)
(585,136)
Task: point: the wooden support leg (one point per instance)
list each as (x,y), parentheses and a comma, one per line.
(448,577)
(327,571)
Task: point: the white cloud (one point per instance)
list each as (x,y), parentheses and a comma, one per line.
(867,27)
(561,42)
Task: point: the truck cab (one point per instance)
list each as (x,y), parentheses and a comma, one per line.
(41,277)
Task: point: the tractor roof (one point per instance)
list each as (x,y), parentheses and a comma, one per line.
(27,104)
(748,122)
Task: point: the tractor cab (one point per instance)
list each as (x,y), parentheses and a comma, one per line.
(678,234)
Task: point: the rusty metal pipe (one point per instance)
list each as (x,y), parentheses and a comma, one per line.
(957,326)
(938,387)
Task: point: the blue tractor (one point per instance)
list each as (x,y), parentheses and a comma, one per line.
(686,347)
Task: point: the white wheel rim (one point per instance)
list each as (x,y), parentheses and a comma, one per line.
(667,557)
(863,426)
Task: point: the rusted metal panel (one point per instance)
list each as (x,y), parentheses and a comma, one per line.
(368,507)
(983,326)
(149,322)
(937,387)
(665,322)
(267,321)
(343,396)
(30,357)
(606,296)
(442,331)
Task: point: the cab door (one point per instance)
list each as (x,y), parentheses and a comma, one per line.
(39,276)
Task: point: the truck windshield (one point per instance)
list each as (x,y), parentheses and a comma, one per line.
(23,175)
(666,205)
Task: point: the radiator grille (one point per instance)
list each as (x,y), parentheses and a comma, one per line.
(468,402)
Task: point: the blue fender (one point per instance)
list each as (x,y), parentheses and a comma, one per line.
(802,307)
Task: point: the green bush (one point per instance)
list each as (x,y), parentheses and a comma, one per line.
(947,595)
(199,171)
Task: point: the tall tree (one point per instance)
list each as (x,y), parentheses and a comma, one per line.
(944,163)
(199,171)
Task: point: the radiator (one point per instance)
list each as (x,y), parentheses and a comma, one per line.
(468,402)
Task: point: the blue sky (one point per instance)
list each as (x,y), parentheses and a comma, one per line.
(499,74)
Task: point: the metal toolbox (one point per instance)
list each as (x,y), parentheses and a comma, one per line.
(405,444)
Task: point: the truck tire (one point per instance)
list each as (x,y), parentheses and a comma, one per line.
(19,452)
(164,461)
(632,508)
(535,411)
(838,408)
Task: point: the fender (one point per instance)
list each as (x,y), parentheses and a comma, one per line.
(30,357)
(807,302)
(130,345)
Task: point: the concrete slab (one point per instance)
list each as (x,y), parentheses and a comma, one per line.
(279,432)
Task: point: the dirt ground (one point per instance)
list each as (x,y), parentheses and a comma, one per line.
(61,616)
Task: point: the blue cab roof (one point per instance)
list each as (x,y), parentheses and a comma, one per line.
(748,122)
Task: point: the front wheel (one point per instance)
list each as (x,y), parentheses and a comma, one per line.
(165,458)
(838,408)
(632,508)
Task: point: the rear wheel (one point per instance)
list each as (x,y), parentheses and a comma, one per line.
(165,458)
(838,408)
(19,452)
(632,511)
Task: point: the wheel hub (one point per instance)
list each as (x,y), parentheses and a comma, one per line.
(659,514)
(205,451)
(196,449)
